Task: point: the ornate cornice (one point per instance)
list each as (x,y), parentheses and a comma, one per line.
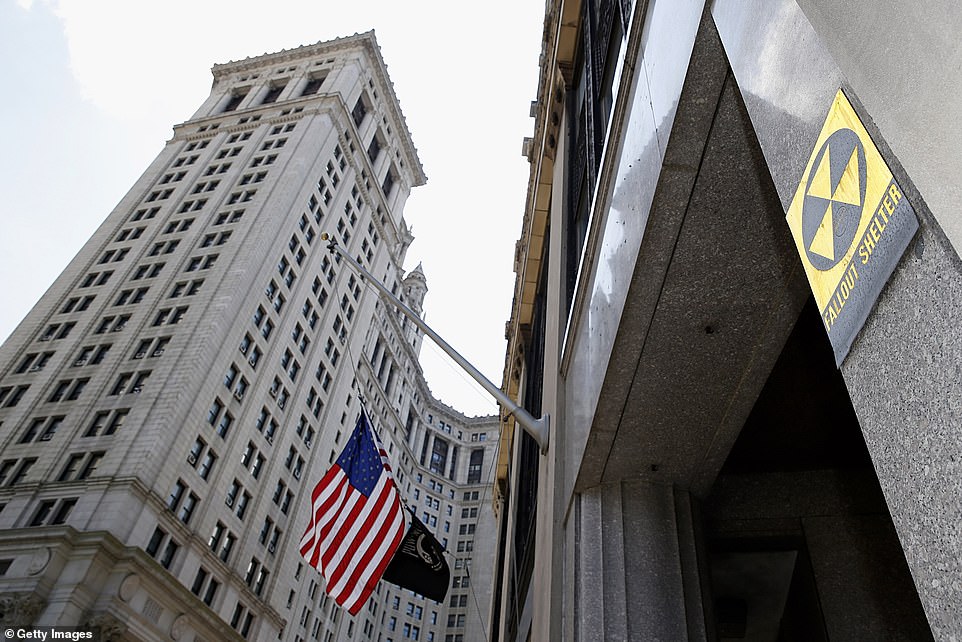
(366,42)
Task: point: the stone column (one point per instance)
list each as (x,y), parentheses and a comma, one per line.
(635,574)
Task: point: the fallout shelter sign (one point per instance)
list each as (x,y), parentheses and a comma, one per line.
(851,223)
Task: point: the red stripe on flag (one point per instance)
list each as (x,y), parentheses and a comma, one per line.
(373,562)
(310,534)
(354,535)
(334,488)
(338,531)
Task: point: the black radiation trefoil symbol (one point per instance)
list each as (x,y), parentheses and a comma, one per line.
(834,197)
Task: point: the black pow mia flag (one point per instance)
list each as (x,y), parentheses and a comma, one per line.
(419,564)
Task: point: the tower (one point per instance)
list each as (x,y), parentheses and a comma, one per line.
(169,402)
(414,289)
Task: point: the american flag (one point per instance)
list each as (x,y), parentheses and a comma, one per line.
(356,522)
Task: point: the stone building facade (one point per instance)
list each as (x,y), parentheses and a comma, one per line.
(713,473)
(169,403)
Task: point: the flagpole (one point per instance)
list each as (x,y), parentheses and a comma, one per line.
(537,428)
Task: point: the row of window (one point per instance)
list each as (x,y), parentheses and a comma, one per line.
(274,89)
(105,422)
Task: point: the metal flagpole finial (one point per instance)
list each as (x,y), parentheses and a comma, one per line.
(537,428)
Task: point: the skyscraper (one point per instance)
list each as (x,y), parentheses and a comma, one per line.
(169,402)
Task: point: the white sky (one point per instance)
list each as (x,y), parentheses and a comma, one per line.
(92,89)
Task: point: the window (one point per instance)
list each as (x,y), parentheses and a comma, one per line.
(159,346)
(202,458)
(257,466)
(231,376)
(53,511)
(186,288)
(359,112)
(148,271)
(265,530)
(156,539)
(150,213)
(313,85)
(203,186)
(77,304)
(266,425)
(138,383)
(90,466)
(56,331)
(170,551)
(159,195)
(176,494)
(211,592)
(235,99)
(242,502)
(242,620)
(16,469)
(60,391)
(106,422)
(475,465)
(252,570)
(180,162)
(199,580)
(264,160)
(279,491)
(42,427)
(272,543)
(71,467)
(253,177)
(10,396)
(223,426)
(201,263)
(157,542)
(439,456)
(273,91)
(169,316)
(215,409)
(206,464)
(241,388)
(388,183)
(216,536)
(130,383)
(374,149)
(222,541)
(187,508)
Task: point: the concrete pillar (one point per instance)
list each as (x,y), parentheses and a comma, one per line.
(634,569)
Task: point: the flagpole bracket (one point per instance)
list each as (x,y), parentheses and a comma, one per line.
(537,429)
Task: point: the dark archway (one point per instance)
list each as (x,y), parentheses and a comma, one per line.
(800,542)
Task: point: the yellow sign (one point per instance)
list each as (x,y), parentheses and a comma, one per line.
(844,204)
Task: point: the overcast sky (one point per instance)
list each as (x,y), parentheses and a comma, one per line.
(92,89)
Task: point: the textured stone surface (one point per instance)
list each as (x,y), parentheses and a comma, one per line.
(628,561)
(905,379)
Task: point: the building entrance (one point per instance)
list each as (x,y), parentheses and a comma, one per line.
(800,542)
